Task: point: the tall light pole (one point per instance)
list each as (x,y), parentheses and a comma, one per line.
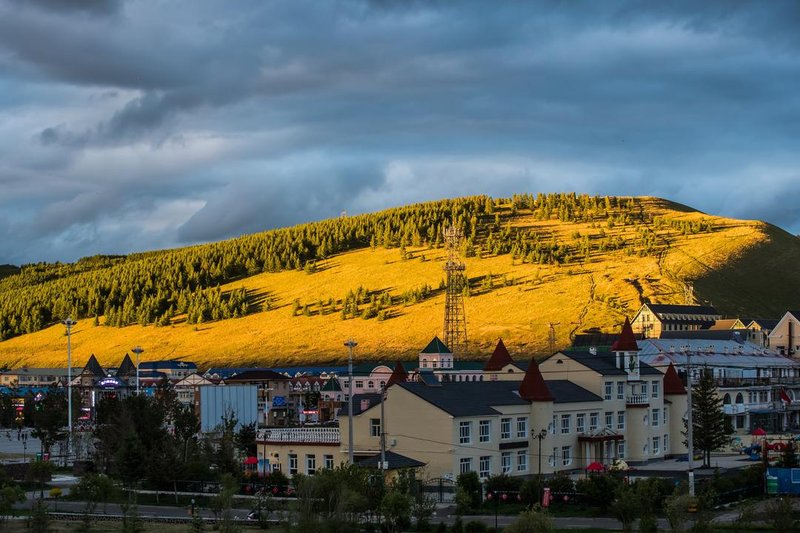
(689,428)
(540,437)
(138,351)
(69,323)
(350,344)
(383,429)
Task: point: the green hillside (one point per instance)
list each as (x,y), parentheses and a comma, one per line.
(293,294)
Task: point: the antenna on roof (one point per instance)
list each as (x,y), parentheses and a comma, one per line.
(551,336)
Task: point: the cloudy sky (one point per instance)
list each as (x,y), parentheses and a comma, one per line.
(132,125)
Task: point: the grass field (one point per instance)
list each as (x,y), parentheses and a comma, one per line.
(743,267)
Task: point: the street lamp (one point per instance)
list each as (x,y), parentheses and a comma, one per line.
(350,343)
(540,437)
(69,323)
(24,438)
(138,351)
(689,429)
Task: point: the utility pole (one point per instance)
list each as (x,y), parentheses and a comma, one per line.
(138,351)
(383,429)
(551,336)
(69,323)
(350,344)
(689,428)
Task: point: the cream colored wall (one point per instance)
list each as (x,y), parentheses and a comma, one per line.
(507,373)
(278,455)
(572,371)
(677,410)
(779,337)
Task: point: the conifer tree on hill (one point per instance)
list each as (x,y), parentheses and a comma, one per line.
(709,425)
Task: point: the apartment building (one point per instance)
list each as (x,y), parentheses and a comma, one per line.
(653,319)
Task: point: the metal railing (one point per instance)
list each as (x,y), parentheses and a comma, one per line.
(637,399)
(316,435)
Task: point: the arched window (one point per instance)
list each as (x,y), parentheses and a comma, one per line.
(370,384)
(726,400)
(424,363)
(480,378)
(739,398)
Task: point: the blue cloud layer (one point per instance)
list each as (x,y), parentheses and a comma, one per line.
(134,125)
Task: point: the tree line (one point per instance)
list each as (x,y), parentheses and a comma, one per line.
(152,288)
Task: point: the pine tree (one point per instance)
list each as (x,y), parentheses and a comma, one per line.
(709,425)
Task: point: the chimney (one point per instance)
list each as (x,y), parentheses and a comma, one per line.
(364,404)
(593,350)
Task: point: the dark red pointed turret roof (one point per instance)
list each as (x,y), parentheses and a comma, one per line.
(533,388)
(500,358)
(399,375)
(672,382)
(627,340)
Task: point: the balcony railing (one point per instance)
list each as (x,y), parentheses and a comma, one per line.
(755,382)
(637,399)
(300,435)
(733,409)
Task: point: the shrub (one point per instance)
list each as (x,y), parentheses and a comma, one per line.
(599,490)
(470,483)
(476,527)
(533,521)
(676,508)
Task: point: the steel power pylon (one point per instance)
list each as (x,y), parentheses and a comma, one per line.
(455,321)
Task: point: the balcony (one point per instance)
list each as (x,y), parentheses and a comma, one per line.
(306,435)
(637,399)
(735,383)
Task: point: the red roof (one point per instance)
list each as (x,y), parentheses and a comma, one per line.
(533,388)
(399,375)
(500,358)
(672,382)
(627,340)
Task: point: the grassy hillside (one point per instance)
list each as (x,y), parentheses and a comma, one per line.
(612,266)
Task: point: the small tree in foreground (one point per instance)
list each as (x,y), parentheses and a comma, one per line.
(709,426)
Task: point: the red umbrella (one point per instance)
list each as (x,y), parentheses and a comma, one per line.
(759,431)
(595,467)
(251,461)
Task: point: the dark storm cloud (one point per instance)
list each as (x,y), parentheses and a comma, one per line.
(135,125)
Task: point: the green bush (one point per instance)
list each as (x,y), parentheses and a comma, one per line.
(476,527)
(470,484)
(533,521)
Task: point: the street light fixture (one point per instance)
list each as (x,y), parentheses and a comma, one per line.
(138,351)
(350,343)
(69,323)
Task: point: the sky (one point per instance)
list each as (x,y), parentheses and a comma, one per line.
(143,124)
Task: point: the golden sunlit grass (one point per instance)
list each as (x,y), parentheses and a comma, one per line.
(595,294)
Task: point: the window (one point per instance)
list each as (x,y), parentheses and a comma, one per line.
(465,433)
(485,465)
(522,460)
(656,417)
(359,384)
(654,389)
(465,465)
(580,422)
(593,421)
(656,445)
(621,449)
(609,419)
(644,389)
(608,388)
(553,425)
(311,464)
(620,419)
(666,415)
(424,363)
(370,384)
(522,427)
(328,462)
(566,455)
(553,458)
(620,390)
(505,428)
(292,464)
(566,422)
(505,462)
(374,427)
(484,430)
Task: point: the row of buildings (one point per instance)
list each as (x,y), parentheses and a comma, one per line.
(609,397)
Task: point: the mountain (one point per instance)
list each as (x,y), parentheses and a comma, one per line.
(293,295)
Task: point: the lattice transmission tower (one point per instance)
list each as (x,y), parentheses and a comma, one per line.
(455,321)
